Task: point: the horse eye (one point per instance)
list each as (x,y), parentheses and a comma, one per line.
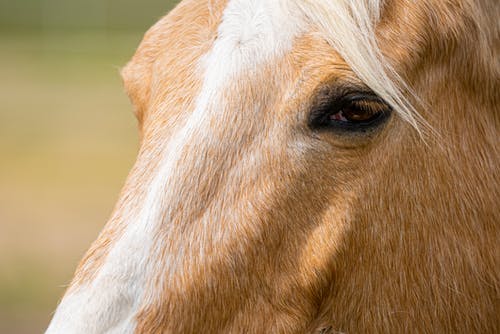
(353,112)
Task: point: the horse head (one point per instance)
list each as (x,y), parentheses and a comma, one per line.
(305,166)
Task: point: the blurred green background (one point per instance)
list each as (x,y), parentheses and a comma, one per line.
(67,140)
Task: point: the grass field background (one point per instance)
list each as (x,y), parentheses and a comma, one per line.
(67,141)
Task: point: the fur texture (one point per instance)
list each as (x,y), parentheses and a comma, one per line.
(238,217)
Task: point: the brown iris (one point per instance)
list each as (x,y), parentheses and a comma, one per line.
(360,111)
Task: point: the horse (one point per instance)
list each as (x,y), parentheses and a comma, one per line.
(305,166)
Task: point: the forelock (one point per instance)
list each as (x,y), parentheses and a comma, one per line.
(349,27)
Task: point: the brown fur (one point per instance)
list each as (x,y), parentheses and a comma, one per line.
(382,233)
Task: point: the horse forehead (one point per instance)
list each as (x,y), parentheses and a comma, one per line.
(242,32)
(250,34)
(203,49)
(263,25)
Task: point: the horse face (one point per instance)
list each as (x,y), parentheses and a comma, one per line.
(223,100)
(256,136)
(280,167)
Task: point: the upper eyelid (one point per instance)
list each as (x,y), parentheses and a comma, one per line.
(366,96)
(336,98)
(331,89)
